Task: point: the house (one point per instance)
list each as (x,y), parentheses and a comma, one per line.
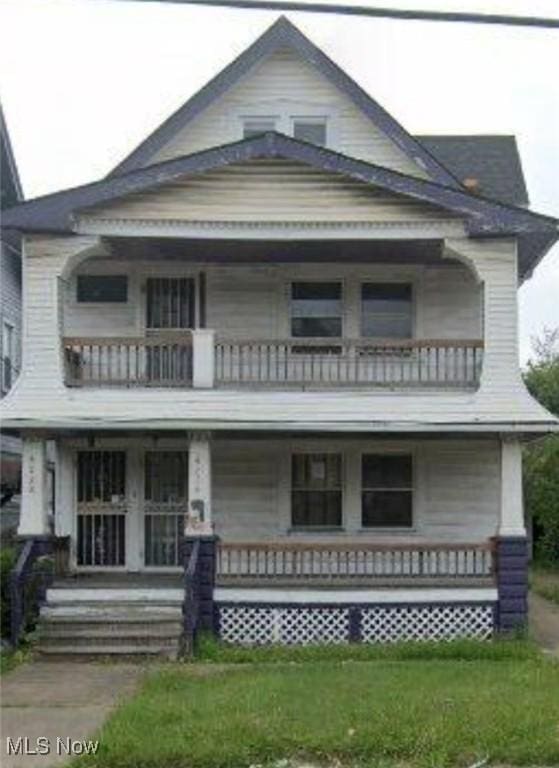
(276,350)
(10,308)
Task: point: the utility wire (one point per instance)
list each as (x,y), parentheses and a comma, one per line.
(388,13)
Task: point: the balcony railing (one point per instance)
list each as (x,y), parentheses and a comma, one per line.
(349,562)
(193,358)
(158,360)
(425,362)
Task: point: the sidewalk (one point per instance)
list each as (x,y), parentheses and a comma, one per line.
(544,623)
(65,700)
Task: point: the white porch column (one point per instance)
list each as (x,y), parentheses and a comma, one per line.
(203,354)
(34,517)
(199,520)
(511,517)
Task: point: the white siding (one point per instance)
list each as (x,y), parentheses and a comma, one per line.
(251,302)
(284,83)
(270,191)
(456,496)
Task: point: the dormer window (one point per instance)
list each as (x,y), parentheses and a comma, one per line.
(254,126)
(310,129)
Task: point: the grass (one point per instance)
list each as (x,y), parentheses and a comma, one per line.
(211,650)
(419,714)
(11,659)
(545,582)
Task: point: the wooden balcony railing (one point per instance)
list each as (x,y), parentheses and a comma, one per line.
(424,362)
(162,359)
(295,561)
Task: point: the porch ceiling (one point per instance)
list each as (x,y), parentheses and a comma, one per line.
(248,251)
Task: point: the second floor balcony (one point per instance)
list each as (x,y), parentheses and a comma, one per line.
(370,315)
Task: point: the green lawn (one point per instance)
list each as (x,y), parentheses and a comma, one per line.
(367,713)
(545,582)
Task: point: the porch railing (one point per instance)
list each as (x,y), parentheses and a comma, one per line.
(160,359)
(302,561)
(409,362)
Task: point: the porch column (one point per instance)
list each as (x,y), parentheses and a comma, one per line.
(199,520)
(203,346)
(199,526)
(34,516)
(511,541)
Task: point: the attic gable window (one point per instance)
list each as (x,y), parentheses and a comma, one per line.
(311,130)
(257,125)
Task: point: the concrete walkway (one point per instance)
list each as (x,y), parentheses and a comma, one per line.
(59,700)
(544,623)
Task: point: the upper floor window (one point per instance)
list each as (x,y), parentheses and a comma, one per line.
(254,126)
(102,288)
(386,310)
(8,354)
(316,309)
(387,494)
(316,490)
(310,129)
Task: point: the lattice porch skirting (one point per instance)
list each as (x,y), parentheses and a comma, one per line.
(304,624)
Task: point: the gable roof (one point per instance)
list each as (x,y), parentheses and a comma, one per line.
(493,160)
(284,34)
(485,218)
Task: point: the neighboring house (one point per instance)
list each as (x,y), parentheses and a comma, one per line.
(10,307)
(287,321)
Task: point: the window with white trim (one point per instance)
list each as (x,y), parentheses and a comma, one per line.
(316,490)
(386,490)
(386,310)
(316,309)
(310,129)
(254,126)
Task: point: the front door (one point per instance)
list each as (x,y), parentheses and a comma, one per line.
(165,506)
(102,509)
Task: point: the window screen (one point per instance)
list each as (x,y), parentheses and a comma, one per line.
(386,310)
(316,310)
(387,495)
(313,131)
(316,490)
(102,288)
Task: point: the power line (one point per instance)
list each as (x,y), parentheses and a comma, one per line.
(387,13)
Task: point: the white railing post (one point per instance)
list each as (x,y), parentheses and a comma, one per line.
(203,358)
(34,517)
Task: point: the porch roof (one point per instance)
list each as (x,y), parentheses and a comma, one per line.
(484,217)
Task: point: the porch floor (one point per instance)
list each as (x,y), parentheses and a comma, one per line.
(119,581)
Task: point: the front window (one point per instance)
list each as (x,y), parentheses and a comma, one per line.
(316,490)
(106,289)
(254,126)
(316,310)
(386,310)
(310,129)
(387,495)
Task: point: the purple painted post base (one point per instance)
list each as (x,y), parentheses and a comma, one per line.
(512,583)
(207,556)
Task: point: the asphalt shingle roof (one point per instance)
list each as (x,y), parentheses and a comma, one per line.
(492,160)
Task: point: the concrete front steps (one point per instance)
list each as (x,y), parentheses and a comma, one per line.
(79,622)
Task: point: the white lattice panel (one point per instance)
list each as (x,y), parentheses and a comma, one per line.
(381,624)
(288,626)
(303,626)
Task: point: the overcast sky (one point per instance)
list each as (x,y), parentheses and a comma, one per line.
(82,82)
